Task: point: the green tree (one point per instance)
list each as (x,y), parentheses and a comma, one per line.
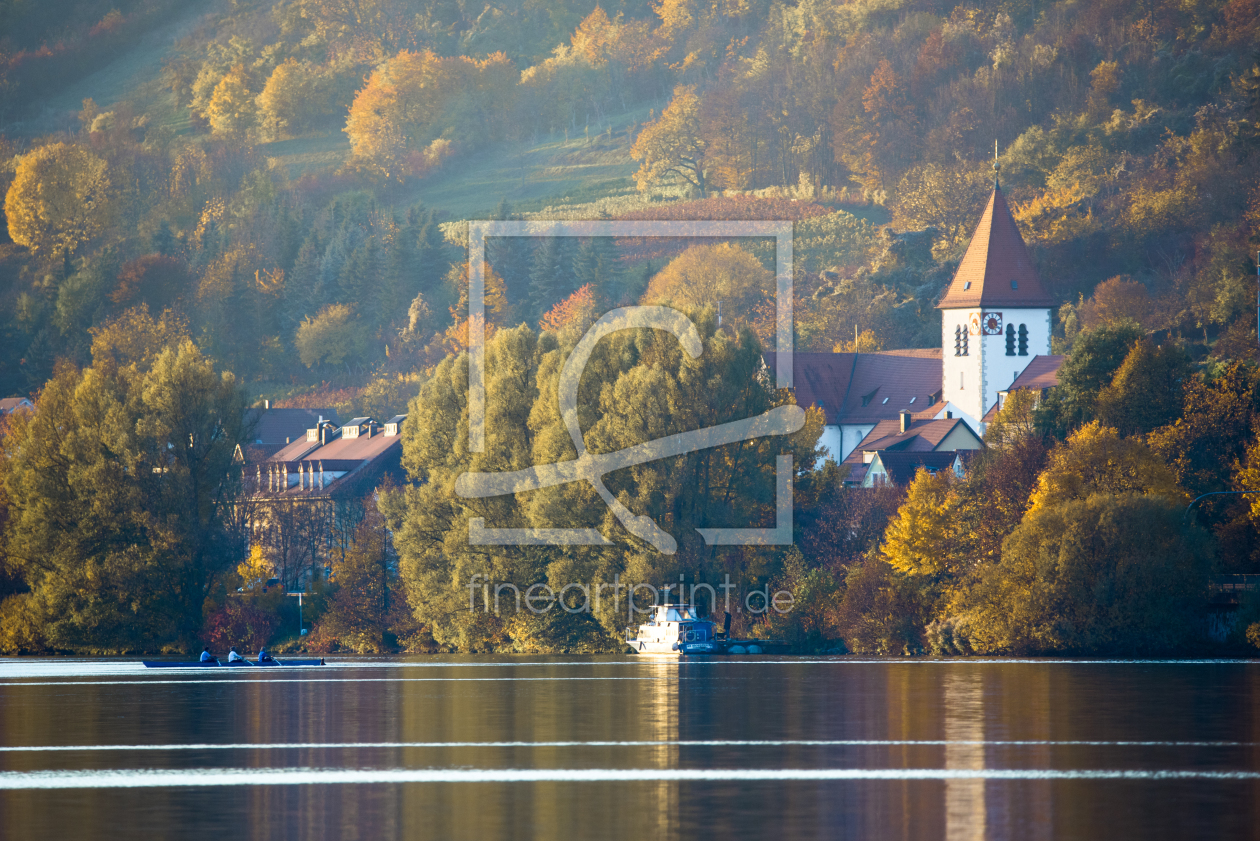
(1095,358)
(121,482)
(638,386)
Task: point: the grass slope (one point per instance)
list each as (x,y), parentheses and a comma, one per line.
(136,75)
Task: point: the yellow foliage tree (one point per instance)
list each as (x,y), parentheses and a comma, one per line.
(61,197)
(135,338)
(1014,421)
(703,275)
(294,97)
(1095,459)
(917,538)
(332,336)
(864,342)
(256,570)
(232,111)
(671,148)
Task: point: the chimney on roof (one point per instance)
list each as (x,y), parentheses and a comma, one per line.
(905,420)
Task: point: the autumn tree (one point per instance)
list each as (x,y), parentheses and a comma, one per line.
(297,95)
(671,148)
(1106,574)
(61,198)
(368,610)
(1116,299)
(333,337)
(948,198)
(120,483)
(136,338)
(1096,460)
(709,275)
(1147,390)
(576,313)
(232,111)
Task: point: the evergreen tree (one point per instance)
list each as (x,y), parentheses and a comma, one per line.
(551,277)
(598,263)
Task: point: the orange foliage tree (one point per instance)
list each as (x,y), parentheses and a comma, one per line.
(576,312)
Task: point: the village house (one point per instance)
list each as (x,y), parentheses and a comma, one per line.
(9,405)
(306,499)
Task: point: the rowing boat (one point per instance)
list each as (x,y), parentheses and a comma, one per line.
(171,664)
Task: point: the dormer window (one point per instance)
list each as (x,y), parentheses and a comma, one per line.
(1014,284)
(966,285)
(885,401)
(911,399)
(867,398)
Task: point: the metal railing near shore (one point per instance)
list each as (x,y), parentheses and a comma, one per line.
(1235,583)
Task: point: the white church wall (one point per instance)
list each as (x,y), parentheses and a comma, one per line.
(1001,370)
(961,375)
(842,439)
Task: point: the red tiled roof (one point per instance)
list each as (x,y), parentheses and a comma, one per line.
(885,382)
(1042,372)
(923,436)
(916,352)
(9,405)
(996,259)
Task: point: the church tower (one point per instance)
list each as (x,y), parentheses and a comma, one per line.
(995,316)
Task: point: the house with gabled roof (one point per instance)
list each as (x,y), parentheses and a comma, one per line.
(274,428)
(9,405)
(906,435)
(895,468)
(856,391)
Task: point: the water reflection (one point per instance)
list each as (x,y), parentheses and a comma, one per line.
(636,749)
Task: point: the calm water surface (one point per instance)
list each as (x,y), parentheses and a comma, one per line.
(579,748)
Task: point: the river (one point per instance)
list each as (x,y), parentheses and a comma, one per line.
(584,748)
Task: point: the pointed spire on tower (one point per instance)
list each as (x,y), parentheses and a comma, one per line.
(997,270)
(996,165)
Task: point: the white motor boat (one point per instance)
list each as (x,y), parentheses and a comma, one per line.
(670,627)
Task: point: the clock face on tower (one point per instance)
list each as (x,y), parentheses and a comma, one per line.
(991,323)
(974,323)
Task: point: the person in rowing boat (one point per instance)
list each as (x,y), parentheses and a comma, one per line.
(264,657)
(233,657)
(206,656)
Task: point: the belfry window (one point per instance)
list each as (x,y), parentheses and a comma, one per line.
(960,340)
(1023,340)
(1010,340)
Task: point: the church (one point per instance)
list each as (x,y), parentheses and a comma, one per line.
(891,412)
